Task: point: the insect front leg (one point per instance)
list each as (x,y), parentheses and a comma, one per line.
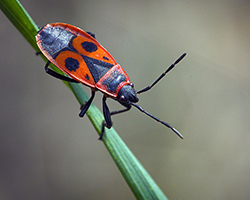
(107,117)
(121,111)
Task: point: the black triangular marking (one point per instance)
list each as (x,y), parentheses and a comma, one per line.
(97,67)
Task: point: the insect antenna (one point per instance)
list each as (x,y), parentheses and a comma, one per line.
(162,75)
(156,119)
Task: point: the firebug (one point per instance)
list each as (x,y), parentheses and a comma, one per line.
(86,61)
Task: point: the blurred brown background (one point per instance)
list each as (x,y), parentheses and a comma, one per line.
(48,152)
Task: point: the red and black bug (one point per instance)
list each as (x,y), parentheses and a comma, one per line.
(80,56)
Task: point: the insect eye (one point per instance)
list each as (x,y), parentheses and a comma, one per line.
(122,98)
(132,85)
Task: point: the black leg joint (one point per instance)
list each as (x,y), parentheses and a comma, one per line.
(86,105)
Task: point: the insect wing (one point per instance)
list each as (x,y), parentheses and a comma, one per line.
(74,52)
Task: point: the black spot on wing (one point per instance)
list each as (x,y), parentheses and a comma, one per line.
(89,46)
(105,58)
(71,64)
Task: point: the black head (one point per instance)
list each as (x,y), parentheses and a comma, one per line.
(127,94)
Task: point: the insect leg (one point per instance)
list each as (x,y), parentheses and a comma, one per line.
(162,75)
(120,111)
(91,34)
(107,116)
(56,75)
(85,106)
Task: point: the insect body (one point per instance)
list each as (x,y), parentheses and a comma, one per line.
(86,61)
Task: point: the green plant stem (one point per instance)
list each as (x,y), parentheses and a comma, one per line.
(140,182)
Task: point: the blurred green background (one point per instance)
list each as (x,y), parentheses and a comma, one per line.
(48,152)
